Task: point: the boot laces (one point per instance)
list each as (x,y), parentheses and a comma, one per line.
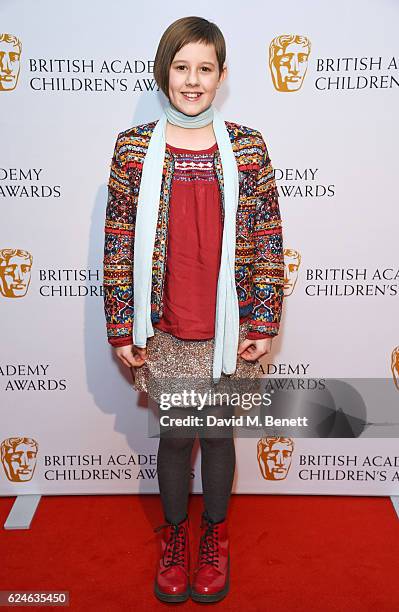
(209,549)
(175,546)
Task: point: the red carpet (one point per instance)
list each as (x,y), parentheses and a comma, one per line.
(289,553)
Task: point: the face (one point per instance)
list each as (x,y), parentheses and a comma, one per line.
(194,70)
(9,66)
(277,461)
(15,277)
(291,267)
(289,67)
(20,462)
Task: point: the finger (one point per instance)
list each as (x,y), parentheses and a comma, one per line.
(244,345)
(125,361)
(249,351)
(251,355)
(247,357)
(137,361)
(142,351)
(131,360)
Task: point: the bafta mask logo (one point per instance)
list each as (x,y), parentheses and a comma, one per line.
(292,261)
(288,61)
(395,366)
(15,267)
(274,457)
(18,457)
(10,61)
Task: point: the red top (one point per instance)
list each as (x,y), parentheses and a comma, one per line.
(193,256)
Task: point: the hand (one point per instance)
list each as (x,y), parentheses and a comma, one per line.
(251,350)
(131,355)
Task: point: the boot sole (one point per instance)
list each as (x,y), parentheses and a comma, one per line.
(212,597)
(169,597)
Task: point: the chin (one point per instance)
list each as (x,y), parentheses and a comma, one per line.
(189,109)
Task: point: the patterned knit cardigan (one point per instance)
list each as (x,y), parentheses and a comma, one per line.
(259,264)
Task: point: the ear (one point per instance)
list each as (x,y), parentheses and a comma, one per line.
(223,75)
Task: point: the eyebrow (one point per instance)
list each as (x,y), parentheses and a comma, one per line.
(180,61)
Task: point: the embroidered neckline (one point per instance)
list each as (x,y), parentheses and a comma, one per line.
(193,151)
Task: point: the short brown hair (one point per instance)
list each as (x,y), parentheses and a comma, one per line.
(180,33)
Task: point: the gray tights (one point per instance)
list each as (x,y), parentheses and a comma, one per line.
(217,466)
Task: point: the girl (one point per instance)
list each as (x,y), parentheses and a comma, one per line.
(193,281)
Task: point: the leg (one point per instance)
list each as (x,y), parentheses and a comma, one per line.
(212,573)
(174,467)
(218,460)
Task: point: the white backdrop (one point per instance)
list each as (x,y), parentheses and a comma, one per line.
(85,74)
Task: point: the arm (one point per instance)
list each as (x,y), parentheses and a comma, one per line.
(268,263)
(118,253)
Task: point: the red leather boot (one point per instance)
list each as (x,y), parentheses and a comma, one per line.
(212,574)
(172,582)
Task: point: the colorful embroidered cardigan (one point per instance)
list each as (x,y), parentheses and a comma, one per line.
(259,263)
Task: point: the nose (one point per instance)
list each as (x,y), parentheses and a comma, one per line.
(192,78)
(18,273)
(294,64)
(24,461)
(5,63)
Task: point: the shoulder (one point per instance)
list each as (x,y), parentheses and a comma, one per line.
(239,132)
(248,144)
(143,130)
(133,142)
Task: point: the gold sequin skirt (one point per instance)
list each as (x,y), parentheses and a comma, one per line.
(173,362)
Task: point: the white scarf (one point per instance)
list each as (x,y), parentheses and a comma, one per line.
(227,310)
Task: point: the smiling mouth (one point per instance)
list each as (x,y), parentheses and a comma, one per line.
(192,97)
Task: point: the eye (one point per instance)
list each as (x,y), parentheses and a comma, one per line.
(206,68)
(178,67)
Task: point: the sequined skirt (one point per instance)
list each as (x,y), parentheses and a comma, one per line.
(174,364)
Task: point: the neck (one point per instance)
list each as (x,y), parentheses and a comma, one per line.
(176,117)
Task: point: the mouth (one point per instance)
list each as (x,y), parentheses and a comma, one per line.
(191,96)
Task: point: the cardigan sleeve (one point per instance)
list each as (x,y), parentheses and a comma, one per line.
(268,263)
(258,336)
(118,252)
